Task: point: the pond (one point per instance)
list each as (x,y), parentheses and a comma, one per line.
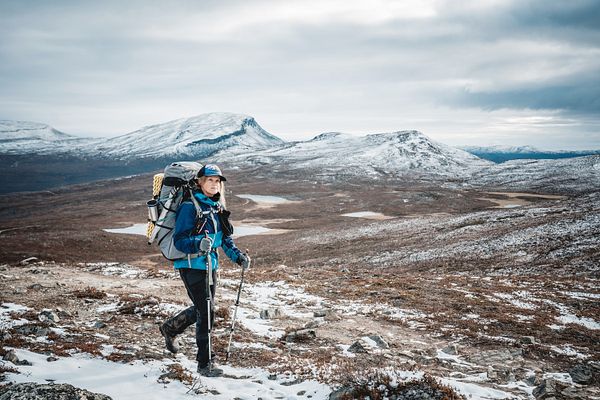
(240,230)
(264,199)
(367,215)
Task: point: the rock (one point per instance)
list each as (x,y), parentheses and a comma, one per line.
(35,286)
(145,327)
(498,356)
(320,313)
(24,362)
(30,329)
(500,374)
(301,335)
(547,389)
(30,390)
(312,324)
(357,347)
(528,340)
(28,260)
(582,374)
(48,316)
(332,316)
(379,341)
(63,313)
(99,325)
(270,313)
(51,359)
(11,356)
(451,349)
(341,393)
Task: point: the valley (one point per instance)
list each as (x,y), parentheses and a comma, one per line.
(494,302)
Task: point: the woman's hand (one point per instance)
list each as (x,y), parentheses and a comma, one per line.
(244,261)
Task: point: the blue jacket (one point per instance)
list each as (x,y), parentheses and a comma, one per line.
(186,241)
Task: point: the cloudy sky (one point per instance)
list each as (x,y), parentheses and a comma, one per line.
(476,72)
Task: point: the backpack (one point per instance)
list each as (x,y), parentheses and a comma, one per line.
(168,191)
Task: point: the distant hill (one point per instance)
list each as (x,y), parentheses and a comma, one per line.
(500,154)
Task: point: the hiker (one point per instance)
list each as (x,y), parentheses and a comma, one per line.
(198,235)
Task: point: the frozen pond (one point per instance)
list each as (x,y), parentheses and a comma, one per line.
(264,199)
(240,230)
(366,214)
(246,230)
(135,229)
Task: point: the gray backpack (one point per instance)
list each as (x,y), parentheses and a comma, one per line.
(169,189)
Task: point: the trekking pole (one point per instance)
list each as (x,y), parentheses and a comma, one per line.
(237,303)
(208,299)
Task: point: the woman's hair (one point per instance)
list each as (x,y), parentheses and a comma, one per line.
(221,190)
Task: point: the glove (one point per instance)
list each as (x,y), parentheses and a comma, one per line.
(205,245)
(244,261)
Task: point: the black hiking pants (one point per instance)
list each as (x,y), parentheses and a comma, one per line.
(195,284)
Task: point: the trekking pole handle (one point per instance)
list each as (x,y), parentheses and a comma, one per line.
(205,243)
(249,259)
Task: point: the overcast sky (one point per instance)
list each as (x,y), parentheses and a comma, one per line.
(462,72)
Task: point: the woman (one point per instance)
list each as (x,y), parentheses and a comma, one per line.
(197,236)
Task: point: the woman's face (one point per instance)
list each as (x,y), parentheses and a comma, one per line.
(210,185)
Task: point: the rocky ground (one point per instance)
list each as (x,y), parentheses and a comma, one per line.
(494,294)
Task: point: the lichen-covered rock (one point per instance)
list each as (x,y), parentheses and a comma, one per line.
(37,391)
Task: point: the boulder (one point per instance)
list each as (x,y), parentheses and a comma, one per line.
(528,340)
(582,374)
(301,335)
(357,347)
(48,316)
(270,313)
(451,349)
(547,389)
(496,356)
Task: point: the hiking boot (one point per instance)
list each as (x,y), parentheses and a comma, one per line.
(209,370)
(170,342)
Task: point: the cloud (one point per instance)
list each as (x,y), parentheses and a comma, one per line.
(300,67)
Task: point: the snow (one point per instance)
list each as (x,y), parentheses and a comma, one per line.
(263,198)
(240,230)
(135,229)
(373,155)
(566,317)
(6,321)
(139,379)
(366,214)
(471,390)
(569,351)
(192,137)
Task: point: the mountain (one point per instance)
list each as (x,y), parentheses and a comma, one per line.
(22,137)
(35,156)
(382,154)
(194,138)
(499,154)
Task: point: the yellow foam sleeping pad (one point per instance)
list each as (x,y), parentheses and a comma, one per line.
(156,186)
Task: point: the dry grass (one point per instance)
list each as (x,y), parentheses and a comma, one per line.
(89,293)
(379,386)
(175,372)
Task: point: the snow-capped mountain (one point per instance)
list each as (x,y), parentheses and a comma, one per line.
(380,154)
(194,137)
(22,137)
